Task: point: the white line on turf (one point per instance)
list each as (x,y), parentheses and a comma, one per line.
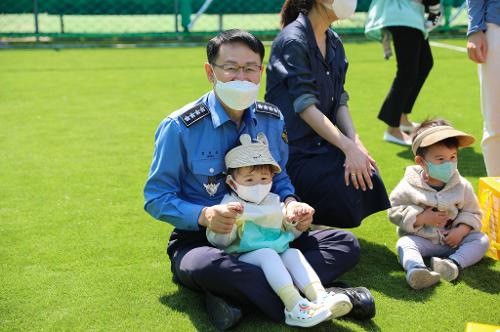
(448,46)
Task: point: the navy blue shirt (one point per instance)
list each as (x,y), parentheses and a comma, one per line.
(299,76)
(188,170)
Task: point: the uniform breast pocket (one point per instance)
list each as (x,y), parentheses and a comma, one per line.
(210,175)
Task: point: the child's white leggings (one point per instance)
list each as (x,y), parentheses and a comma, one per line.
(287,268)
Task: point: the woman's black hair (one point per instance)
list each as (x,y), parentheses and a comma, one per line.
(291,9)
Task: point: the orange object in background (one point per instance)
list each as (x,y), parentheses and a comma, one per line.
(477,327)
(489,199)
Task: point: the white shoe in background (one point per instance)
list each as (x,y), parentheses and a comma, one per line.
(389,138)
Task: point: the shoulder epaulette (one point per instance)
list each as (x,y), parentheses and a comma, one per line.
(267,108)
(194,114)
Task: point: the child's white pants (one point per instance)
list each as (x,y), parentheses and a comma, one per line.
(287,268)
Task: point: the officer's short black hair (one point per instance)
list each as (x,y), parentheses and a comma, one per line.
(233,36)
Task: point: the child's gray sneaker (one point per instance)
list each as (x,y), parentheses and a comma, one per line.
(419,278)
(446,268)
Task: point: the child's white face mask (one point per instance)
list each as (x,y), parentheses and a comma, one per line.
(254,194)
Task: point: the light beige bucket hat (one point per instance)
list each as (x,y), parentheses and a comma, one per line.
(251,154)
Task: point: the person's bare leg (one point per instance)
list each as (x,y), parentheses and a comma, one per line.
(405,121)
(396,132)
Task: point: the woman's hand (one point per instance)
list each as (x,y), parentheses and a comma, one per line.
(358,165)
(360,144)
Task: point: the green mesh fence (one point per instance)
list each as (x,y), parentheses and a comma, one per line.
(159,18)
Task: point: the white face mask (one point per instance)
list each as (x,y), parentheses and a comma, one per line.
(254,194)
(344,8)
(237,95)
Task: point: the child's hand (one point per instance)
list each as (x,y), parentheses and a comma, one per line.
(432,218)
(455,236)
(302,209)
(299,214)
(235,207)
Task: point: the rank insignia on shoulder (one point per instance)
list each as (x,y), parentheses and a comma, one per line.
(194,114)
(284,136)
(267,108)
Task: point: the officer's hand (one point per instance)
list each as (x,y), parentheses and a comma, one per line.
(300,215)
(358,167)
(477,47)
(220,218)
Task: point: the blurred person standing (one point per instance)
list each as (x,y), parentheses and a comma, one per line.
(483,47)
(404,22)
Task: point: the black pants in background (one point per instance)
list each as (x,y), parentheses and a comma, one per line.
(414,61)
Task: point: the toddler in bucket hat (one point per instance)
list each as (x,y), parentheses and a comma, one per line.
(436,210)
(262,233)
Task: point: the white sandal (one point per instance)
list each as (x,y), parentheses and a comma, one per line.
(409,129)
(306,314)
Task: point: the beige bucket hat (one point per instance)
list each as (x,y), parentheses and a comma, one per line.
(438,133)
(251,154)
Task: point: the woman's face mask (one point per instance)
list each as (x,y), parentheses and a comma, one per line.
(442,172)
(255,193)
(237,95)
(344,8)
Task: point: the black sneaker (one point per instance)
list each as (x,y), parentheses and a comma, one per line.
(221,313)
(363,303)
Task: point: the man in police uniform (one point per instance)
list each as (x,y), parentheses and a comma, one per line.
(186,184)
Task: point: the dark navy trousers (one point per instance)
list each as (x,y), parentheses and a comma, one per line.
(201,267)
(319,181)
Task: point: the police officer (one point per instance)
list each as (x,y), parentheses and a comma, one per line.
(186,184)
(329,166)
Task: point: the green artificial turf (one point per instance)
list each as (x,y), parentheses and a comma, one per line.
(79,253)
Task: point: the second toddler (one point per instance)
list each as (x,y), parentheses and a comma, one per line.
(436,210)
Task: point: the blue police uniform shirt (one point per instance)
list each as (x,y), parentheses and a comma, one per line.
(188,171)
(299,76)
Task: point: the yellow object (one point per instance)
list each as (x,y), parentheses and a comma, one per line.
(489,199)
(477,327)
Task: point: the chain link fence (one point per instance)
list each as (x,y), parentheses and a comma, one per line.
(174,19)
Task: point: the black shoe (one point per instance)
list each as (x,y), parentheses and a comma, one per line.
(363,303)
(222,314)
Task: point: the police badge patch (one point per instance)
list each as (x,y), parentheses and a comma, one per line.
(212,186)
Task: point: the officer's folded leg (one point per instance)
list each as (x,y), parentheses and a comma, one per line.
(229,284)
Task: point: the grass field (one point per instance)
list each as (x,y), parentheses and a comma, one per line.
(79,253)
